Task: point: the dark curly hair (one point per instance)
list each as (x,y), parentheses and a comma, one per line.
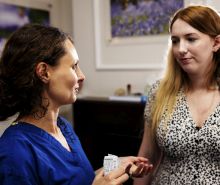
(20,87)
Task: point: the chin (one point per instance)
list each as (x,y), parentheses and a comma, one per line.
(70,100)
(74,101)
(74,98)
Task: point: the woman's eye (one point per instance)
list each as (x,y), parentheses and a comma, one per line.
(174,41)
(191,39)
(75,66)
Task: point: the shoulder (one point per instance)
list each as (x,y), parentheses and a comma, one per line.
(16,156)
(154,87)
(152,91)
(150,99)
(14,146)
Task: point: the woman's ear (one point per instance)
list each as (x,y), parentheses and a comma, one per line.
(42,71)
(216,43)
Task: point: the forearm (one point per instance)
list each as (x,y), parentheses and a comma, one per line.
(151,151)
(143,181)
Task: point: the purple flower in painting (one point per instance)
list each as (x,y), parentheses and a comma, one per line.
(145,17)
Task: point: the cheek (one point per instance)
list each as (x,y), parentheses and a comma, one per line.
(62,87)
(67,80)
(201,48)
(203,53)
(175,51)
(73,79)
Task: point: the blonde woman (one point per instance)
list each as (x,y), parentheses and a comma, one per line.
(182,130)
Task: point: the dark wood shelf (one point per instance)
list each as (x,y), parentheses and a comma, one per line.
(108,127)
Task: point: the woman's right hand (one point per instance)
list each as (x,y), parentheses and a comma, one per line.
(116,177)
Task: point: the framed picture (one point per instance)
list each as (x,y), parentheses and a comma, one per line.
(132,34)
(15,14)
(133,18)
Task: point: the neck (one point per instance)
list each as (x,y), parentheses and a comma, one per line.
(199,84)
(47,123)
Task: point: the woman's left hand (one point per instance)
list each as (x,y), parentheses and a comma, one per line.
(140,165)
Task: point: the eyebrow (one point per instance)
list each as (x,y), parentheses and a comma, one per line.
(187,35)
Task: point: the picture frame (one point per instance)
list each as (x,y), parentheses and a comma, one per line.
(117,53)
(15,13)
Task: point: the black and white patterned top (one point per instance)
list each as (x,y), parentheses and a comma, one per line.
(191,154)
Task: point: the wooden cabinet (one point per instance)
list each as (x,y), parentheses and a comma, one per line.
(108,127)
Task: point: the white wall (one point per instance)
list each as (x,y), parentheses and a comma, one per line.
(98,82)
(104,83)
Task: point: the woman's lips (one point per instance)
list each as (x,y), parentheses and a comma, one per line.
(184,60)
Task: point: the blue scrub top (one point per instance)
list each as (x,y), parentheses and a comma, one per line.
(31,156)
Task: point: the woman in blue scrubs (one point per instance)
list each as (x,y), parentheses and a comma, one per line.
(39,72)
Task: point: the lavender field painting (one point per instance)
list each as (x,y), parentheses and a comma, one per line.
(142,17)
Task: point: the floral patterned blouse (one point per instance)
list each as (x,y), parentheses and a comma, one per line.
(191,155)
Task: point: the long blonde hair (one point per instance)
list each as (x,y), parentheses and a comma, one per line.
(207,21)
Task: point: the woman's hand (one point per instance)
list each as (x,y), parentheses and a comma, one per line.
(140,165)
(129,167)
(116,177)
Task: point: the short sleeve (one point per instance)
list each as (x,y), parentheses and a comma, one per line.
(150,100)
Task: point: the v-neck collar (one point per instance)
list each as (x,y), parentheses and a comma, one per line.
(38,132)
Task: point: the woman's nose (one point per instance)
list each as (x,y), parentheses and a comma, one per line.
(80,75)
(183,47)
(81,78)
